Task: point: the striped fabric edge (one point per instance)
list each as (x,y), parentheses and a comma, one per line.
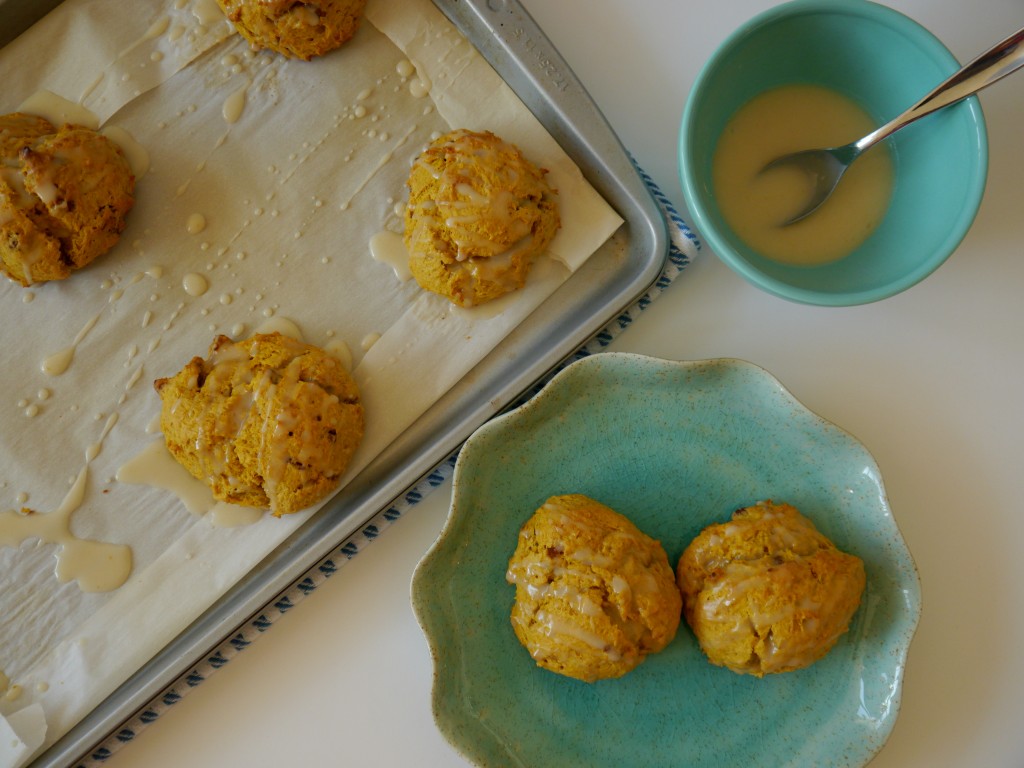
(684,244)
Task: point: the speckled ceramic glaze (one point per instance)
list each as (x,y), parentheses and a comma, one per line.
(674,446)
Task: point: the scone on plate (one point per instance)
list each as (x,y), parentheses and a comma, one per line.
(767,592)
(300,30)
(594,594)
(265,422)
(64,197)
(478,215)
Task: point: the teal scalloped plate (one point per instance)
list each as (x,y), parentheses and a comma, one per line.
(674,446)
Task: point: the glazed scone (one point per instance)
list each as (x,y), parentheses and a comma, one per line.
(265,422)
(64,197)
(478,215)
(19,130)
(767,592)
(300,30)
(594,594)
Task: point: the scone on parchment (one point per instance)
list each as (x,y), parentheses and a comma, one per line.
(594,594)
(19,130)
(767,592)
(478,215)
(64,197)
(300,30)
(265,422)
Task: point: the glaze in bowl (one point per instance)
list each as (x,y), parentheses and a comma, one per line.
(884,62)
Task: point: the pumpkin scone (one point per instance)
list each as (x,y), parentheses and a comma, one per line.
(594,594)
(65,194)
(265,422)
(478,215)
(18,130)
(300,30)
(767,592)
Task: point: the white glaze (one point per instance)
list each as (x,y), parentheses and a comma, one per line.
(136,154)
(59,110)
(96,566)
(195,284)
(388,248)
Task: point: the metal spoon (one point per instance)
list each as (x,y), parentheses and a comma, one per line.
(827,166)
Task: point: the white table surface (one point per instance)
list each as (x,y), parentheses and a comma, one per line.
(930,381)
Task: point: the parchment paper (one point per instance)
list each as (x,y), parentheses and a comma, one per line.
(291,193)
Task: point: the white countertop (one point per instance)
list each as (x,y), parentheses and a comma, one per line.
(930,381)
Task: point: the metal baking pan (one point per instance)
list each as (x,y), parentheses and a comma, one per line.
(515,46)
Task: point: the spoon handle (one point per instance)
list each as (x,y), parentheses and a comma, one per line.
(995,64)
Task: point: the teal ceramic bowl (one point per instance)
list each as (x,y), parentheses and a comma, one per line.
(675,446)
(885,62)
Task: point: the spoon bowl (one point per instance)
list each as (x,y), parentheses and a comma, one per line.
(826,166)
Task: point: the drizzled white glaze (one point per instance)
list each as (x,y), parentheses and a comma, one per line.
(340,350)
(282,325)
(558,627)
(234,104)
(388,248)
(207,12)
(59,110)
(96,566)
(136,154)
(154,466)
(195,284)
(195,224)
(58,362)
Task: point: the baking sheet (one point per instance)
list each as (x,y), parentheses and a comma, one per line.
(460,410)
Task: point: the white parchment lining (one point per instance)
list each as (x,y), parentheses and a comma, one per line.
(291,193)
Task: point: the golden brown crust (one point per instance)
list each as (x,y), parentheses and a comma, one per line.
(19,130)
(594,594)
(478,215)
(267,421)
(295,29)
(767,592)
(64,197)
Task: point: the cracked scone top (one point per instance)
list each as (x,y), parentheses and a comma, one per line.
(300,30)
(65,194)
(767,592)
(594,594)
(265,422)
(478,215)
